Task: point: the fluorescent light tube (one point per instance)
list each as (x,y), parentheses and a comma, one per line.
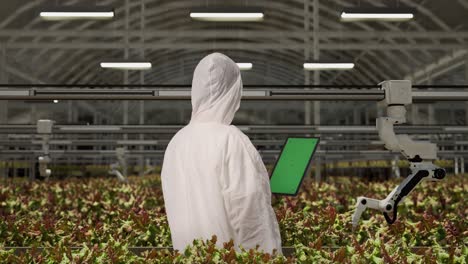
(233,14)
(75,15)
(371,16)
(243,66)
(56,101)
(317,66)
(232,17)
(385,14)
(76,12)
(126,65)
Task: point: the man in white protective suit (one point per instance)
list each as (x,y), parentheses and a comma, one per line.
(214,180)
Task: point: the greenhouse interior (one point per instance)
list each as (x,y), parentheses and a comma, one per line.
(292,131)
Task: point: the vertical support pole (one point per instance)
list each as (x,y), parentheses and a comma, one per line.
(316,43)
(142,81)
(125,77)
(462,165)
(3,79)
(70,111)
(15,169)
(69,121)
(316,20)
(32,170)
(366,117)
(181,115)
(356,116)
(414,114)
(307,104)
(3,104)
(96,121)
(380,109)
(318,169)
(455,166)
(126,55)
(431,114)
(430,108)
(453,116)
(414,111)
(33,115)
(466,81)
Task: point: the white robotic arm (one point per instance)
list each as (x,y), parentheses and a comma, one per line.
(149,167)
(44,129)
(424,171)
(121,163)
(420,154)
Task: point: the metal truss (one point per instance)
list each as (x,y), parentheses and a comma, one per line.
(288,35)
(251,129)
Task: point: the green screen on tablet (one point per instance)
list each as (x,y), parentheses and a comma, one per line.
(292,165)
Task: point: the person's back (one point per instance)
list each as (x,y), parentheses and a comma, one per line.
(214,181)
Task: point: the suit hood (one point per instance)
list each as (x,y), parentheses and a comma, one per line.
(216,90)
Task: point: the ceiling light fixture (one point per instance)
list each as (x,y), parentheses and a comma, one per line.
(227,14)
(74,13)
(368,14)
(319,66)
(244,66)
(124,65)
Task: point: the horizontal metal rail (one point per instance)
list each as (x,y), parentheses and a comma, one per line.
(250,129)
(34,94)
(164,142)
(111,153)
(159,86)
(163,86)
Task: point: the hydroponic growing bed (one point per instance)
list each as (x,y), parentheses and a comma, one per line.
(96,220)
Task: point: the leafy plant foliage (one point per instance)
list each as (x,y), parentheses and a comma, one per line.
(101,220)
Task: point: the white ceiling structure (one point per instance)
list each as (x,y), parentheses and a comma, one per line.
(432,45)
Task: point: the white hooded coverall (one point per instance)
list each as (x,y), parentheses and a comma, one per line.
(214,180)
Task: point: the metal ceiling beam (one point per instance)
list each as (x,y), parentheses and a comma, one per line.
(392,59)
(328,23)
(394,27)
(442,65)
(179,5)
(235,33)
(18,73)
(463,3)
(171,66)
(93,45)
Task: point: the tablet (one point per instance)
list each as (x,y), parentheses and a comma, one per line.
(292,165)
